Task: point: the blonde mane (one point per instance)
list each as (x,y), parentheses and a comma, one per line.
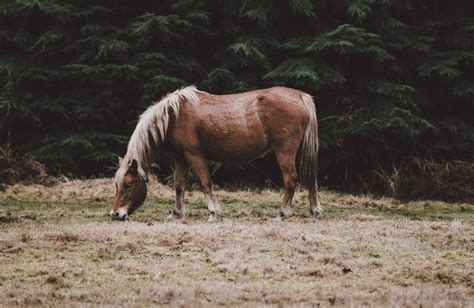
(151,130)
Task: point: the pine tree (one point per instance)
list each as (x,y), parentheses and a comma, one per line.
(391,79)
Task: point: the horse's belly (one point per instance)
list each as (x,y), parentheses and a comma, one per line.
(233,135)
(234,150)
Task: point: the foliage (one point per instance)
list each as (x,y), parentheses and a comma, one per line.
(416,178)
(392,79)
(15,168)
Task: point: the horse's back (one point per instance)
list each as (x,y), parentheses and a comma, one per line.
(236,107)
(285,93)
(267,109)
(240,127)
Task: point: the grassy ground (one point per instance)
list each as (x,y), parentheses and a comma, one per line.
(58,247)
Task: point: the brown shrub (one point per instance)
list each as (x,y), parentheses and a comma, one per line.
(15,168)
(425,179)
(452,181)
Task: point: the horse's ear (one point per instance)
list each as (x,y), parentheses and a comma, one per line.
(133,167)
(120,160)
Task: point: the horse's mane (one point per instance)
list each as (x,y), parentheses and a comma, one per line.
(151,130)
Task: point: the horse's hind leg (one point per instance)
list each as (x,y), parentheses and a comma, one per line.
(180,170)
(287,162)
(315,208)
(200,169)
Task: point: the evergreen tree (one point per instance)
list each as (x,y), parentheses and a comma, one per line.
(391,79)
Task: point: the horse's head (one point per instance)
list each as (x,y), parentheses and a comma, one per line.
(130,193)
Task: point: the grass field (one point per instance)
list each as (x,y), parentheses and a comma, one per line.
(57,247)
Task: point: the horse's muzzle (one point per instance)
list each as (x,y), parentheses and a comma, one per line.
(119,215)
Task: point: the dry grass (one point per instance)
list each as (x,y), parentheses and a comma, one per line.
(58,248)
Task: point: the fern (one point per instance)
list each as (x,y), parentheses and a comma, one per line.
(47,39)
(347,39)
(302,7)
(295,72)
(399,94)
(112,47)
(359,9)
(250,48)
(464,89)
(218,79)
(442,69)
(254,10)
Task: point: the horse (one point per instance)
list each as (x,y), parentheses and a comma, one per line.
(194,127)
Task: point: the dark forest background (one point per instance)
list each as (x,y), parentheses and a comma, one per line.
(393,80)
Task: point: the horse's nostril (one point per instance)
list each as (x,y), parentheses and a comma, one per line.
(114,215)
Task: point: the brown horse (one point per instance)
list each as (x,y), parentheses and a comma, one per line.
(194,126)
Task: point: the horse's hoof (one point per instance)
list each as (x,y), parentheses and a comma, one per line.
(215,208)
(285,212)
(316,213)
(212,218)
(174,216)
(277,219)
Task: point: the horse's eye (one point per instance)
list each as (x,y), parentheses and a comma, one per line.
(128,186)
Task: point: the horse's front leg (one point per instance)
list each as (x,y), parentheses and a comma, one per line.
(200,169)
(180,170)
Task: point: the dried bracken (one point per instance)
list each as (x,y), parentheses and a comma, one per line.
(15,167)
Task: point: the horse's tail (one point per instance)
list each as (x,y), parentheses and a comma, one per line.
(308,152)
